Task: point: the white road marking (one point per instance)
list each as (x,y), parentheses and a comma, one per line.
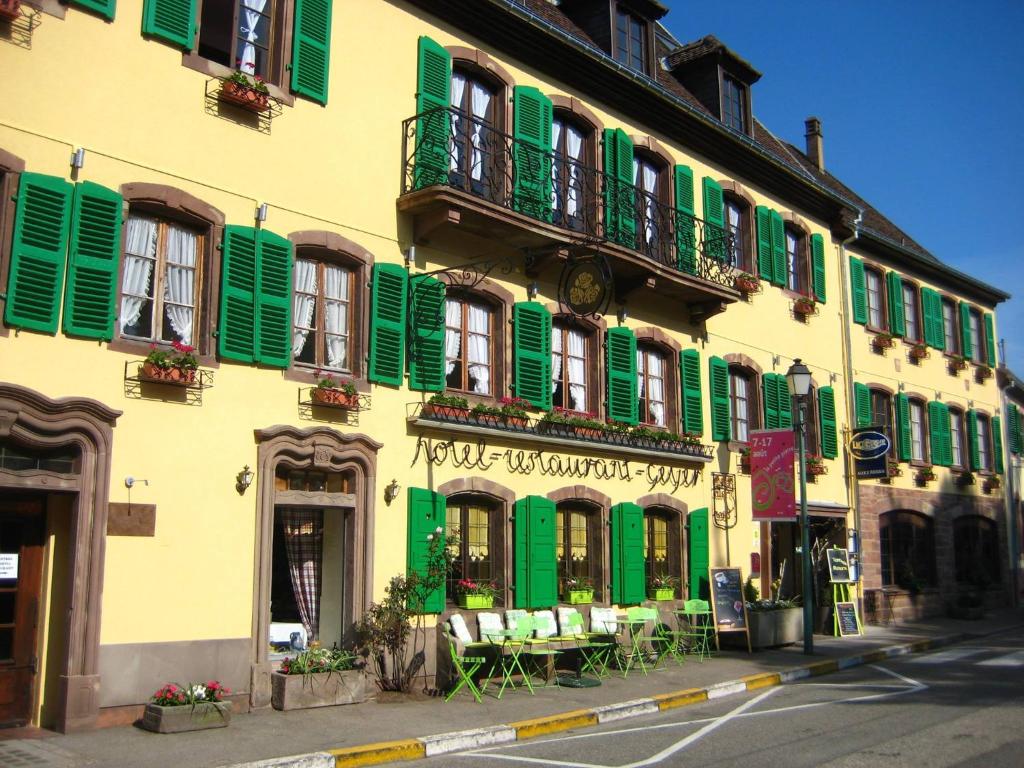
(1015,659)
(943,657)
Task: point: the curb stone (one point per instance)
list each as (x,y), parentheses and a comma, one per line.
(428,746)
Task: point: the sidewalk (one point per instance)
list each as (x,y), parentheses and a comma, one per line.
(268,733)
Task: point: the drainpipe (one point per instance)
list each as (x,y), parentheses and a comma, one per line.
(1012,468)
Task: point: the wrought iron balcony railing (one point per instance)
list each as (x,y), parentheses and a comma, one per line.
(446,147)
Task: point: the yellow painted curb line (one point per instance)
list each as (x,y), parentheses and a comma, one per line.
(763,680)
(540,726)
(680,698)
(868,658)
(823,667)
(381,752)
(920,645)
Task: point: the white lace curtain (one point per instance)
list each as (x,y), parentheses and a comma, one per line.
(180,281)
(571,172)
(739,402)
(453,334)
(577,370)
(656,378)
(479,349)
(304,303)
(481,99)
(336,287)
(139,258)
(646,178)
(248,29)
(458,89)
(732,214)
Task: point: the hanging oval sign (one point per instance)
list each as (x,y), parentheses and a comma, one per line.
(585,287)
(869,445)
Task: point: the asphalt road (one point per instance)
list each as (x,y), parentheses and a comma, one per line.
(960,706)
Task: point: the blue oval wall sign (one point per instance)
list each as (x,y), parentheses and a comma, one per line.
(869,445)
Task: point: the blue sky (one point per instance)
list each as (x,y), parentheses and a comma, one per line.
(922,108)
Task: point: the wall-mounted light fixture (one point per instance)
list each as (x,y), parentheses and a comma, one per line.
(902,386)
(410,255)
(532,289)
(391,492)
(78,158)
(243,479)
(621,315)
(130,481)
(261,212)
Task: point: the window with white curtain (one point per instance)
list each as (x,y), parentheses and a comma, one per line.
(160,281)
(474,116)
(797,270)
(956,437)
(567,173)
(647,179)
(468,357)
(322,313)
(241,34)
(569,367)
(651,373)
(737,221)
(742,403)
(917,429)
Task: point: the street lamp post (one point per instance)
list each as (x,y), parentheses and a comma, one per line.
(798,378)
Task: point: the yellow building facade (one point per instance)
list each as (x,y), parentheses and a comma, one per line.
(408,204)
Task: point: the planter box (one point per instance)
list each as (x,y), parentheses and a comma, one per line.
(579,596)
(771,628)
(487,419)
(207,714)
(244,96)
(332,396)
(516,422)
(662,593)
(178,376)
(447,412)
(321,689)
(474,602)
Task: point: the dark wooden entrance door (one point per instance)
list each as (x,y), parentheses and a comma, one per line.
(21,572)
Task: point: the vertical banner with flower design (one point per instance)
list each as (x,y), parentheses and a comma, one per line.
(772,454)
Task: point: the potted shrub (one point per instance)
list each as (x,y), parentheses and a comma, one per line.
(250,93)
(318,677)
(747,283)
(773,621)
(486,415)
(10,9)
(560,421)
(193,707)
(578,590)
(513,412)
(804,306)
(332,391)
(617,431)
(177,365)
(963,479)
(882,341)
(662,587)
(475,594)
(449,407)
(918,352)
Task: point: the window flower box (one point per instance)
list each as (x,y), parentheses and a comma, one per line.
(447,407)
(10,9)
(963,479)
(474,595)
(747,283)
(991,484)
(560,421)
(176,365)
(983,373)
(918,352)
(745,461)
(579,596)
(882,341)
(475,602)
(662,587)
(804,307)
(957,363)
(193,707)
(513,412)
(331,391)
(816,466)
(661,593)
(248,93)
(925,475)
(486,415)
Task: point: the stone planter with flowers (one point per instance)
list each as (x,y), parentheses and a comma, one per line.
(318,677)
(193,707)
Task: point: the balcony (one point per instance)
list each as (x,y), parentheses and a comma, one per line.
(463,179)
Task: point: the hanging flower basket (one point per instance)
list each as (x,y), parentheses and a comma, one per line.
(10,9)
(991,484)
(804,307)
(925,475)
(918,352)
(246,96)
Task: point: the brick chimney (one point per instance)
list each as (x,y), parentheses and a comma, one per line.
(815,142)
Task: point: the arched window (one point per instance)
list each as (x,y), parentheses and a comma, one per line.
(798,272)
(469,344)
(976,549)
(743,402)
(572,364)
(652,224)
(653,386)
(918,430)
(476,552)
(881,413)
(738,222)
(577,545)
(324,313)
(476,116)
(662,544)
(957,439)
(907,545)
(570,174)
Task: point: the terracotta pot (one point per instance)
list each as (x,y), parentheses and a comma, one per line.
(487,419)
(747,286)
(10,9)
(802,308)
(332,396)
(244,96)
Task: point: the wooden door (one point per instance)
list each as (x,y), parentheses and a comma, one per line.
(21,571)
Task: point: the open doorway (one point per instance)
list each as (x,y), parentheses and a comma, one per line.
(787,564)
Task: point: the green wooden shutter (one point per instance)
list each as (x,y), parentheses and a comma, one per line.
(433,123)
(765,261)
(818,266)
(620,355)
(935,433)
(858,291)
(628,571)
(426,513)
(785,402)
(947,436)
(700,554)
(627,192)
(770,396)
(94,258)
(38,252)
(611,187)
(388,301)
(997,443)
(274,300)
(897,321)
(104,8)
(236,333)
(170,20)
(686,244)
(965,330)
(862,401)
(934,333)
(311,49)
(427,338)
(689,375)
(714,220)
(535,564)
(718,375)
(903,425)
(778,249)
(972,439)
(531,169)
(1013,427)
(531,341)
(990,340)
(827,422)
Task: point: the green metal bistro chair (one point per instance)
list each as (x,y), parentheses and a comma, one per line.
(595,649)
(465,667)
(698,629)
(637,618)
(669,642)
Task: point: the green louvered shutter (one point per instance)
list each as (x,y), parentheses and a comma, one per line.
(627,202)
(903,426)
(714,218)
(897,321)
(700,554)
(94,258)
(104,8)
(785,402)
(311,49)
(38,252)
(718,380)
(427,339)
(612,229)
(531,169)
(765,261)
(686,244)
(997,443)
(433,124)
(935,433)
(535,563)
(274,300)
(934,333)
(827,422)
(620,355)
(426,513)
(947,436)
(990,340)
(972,439)
(236,334)
(531,342)
(170,20)
(1013,427)
(689,375)
(965,331)
(770,396)
(628,571)
(388,302)
(818,266)
(778,249)
(862,401)
(858,291)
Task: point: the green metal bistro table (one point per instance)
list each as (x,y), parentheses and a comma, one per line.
(511,648)
(635,654)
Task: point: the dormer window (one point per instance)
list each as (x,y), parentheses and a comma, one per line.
(630,40)
(734,104)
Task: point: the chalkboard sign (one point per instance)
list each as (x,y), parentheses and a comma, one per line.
(727,606)
(838,566)
(847,615)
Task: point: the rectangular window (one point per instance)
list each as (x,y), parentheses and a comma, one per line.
(655,545)
(572,543)
(569,368)
(794,263)
(910,312)
(875,296)
(734,220)
(734,112)
(239,34)
(984,443)
(322,315)
(881,412)
(916,431)
(630,41)
(977,347)
(949,329)
(739,395)
(468,346)
(650,367)
(956,437)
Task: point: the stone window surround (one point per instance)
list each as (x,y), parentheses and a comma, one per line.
(737,191)
(599,506)
(11,168)
(595,329)
(670,349)
(500,300)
